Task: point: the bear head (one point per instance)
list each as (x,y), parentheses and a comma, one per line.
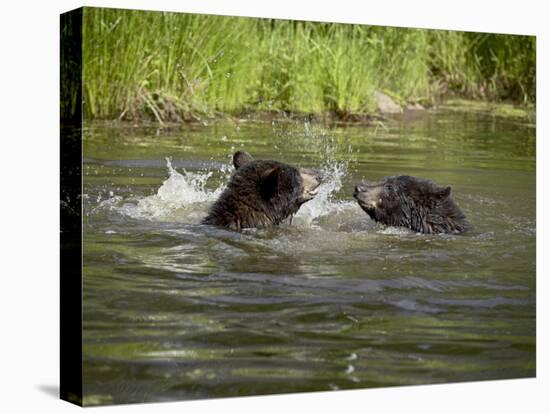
(262,193)
(411,202)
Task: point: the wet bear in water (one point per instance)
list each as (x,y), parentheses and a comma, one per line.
(411,202)
(262,193)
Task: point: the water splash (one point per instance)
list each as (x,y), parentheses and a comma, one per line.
(186,188)
(324,203)
(395,231)
(326,146)
(181,197)
(185,196)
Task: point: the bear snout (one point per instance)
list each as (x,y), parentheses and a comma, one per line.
(359,188)
(315,173)
(312,179)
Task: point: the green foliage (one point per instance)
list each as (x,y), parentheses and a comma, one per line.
(175,66)
(483,65)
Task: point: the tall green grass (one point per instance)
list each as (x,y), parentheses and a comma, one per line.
(177,66)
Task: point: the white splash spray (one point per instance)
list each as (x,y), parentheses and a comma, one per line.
(324,203)
(334,172)
(185,197)
(180,197)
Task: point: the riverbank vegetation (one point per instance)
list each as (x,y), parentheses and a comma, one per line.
(142,65)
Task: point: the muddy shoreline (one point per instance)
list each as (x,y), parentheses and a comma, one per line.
(524,113)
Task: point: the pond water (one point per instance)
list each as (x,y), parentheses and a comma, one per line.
(178,310)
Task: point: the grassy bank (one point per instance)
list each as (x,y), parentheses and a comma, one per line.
(175,66)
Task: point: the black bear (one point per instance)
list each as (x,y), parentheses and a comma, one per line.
(411,202)
(262,193)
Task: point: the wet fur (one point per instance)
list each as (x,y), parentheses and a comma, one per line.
(259,194)
(415,203)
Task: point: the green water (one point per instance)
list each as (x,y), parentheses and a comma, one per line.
(177,310)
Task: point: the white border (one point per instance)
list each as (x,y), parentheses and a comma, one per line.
(30,202)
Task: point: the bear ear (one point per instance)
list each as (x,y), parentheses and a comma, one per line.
(442,193)
(269,182)
(241,158)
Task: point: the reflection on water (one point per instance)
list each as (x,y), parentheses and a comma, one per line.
(177,310)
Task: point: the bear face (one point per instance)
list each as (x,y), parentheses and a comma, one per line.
(262,193)
(411,202)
